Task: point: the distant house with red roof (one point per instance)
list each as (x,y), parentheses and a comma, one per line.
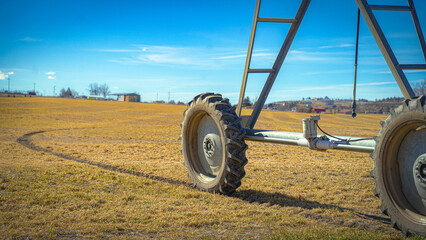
(317,110)
(345,112)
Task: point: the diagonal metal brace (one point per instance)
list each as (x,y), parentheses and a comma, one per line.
(278,63)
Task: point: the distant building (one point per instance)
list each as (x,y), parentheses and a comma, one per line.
(329,102)
(317,110)
(94,97)
(345,112)
(128,97)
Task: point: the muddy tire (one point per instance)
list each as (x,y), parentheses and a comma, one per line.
(400,167)
(213,144)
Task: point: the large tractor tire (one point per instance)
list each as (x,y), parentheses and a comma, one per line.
(213,144)
(400,167)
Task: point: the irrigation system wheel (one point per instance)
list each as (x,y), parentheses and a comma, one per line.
(213,144)
(400,167)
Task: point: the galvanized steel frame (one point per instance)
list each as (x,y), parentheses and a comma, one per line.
(273,73)
(366,11)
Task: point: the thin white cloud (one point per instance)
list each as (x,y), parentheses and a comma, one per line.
(29,39)
(375,83)
(160,55)
(212,58)
(175,56)
(336,46)
(115,87)
(170,55)
(168,58)
(407,71)
(302,56)
(125,61)
(3,76)
(244,56)
(328,72)
(335,86)
(116,50)
(231,57)
(415,71)
(51,75)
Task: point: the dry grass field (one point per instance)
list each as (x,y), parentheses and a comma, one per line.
(72,169)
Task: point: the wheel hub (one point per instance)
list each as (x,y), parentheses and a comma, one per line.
(419,169)
(208,146)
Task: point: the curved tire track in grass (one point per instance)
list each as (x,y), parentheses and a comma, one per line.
(25,140)
(375,223)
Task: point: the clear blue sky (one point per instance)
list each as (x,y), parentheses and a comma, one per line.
(190,47)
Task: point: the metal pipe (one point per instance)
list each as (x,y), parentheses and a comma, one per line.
(320,143)
(277,20)
(389,8)
(251,70)
(354,148)
(356,67)
(412,66)
(271,140)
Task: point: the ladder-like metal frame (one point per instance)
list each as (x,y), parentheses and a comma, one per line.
(273,73)
(367,13)
(393,64)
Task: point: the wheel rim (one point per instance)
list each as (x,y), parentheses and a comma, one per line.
(206,148)
(209,145)
(405,147)
(412,168)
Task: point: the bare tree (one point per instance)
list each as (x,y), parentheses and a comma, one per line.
(93,89)
(63,93)
(420,88)
(74,93)
(104,90)
(67,93)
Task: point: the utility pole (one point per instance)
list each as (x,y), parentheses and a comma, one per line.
(8,84)
(54,90)
(34,87)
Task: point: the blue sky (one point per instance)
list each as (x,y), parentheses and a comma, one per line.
(190,47)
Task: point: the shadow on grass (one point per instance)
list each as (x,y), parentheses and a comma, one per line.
(251,196)
(260,197)
(25,140)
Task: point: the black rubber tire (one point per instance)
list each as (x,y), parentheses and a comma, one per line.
(232,160)
(409,117)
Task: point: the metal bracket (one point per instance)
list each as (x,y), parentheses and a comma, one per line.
(310,126)
(244,120)
(310,130)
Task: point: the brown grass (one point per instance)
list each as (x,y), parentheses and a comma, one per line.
(114,170)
